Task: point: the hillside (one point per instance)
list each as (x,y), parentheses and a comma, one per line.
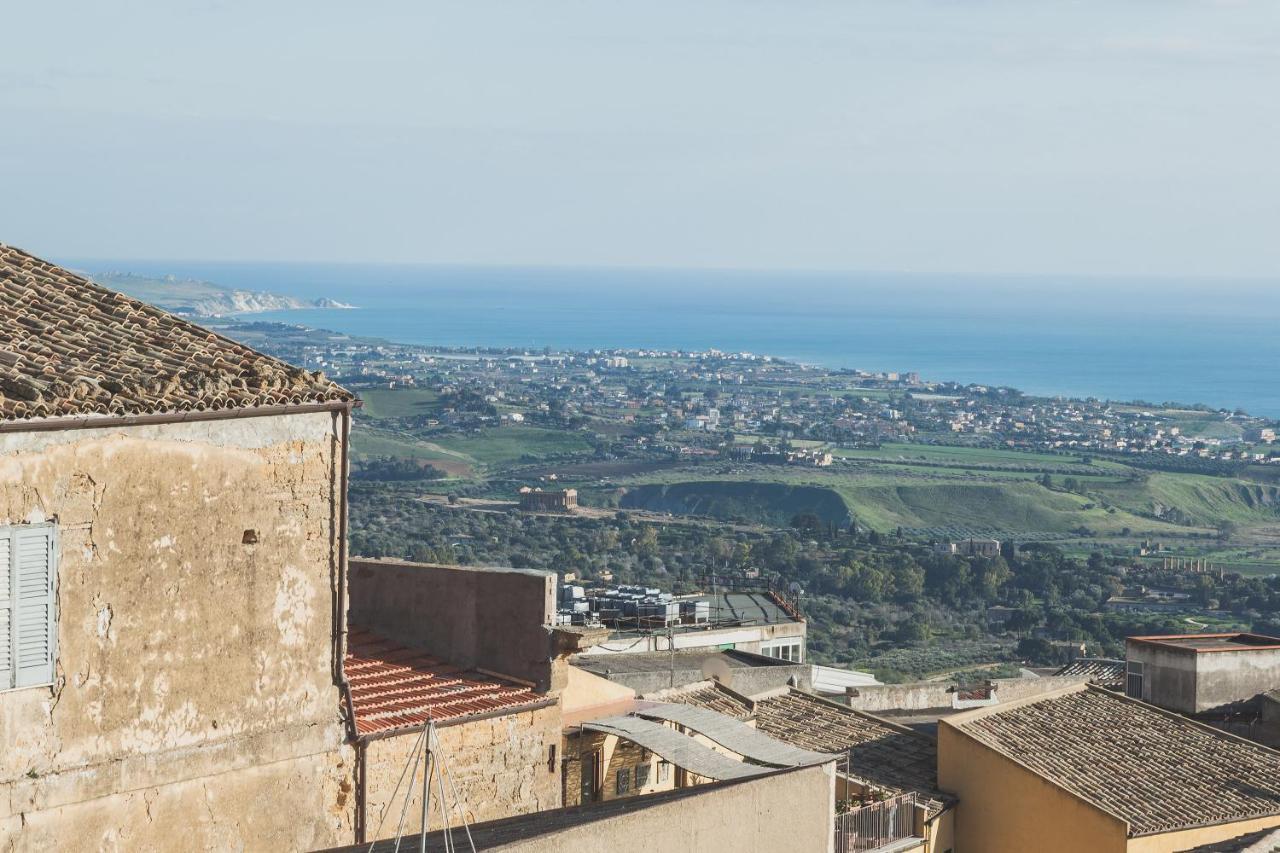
(204,298)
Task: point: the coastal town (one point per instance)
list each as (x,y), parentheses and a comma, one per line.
(689,401)
(198,653)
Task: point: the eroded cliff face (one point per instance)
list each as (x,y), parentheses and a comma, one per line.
(194,704)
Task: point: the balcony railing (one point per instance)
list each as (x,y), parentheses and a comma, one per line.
(876,825)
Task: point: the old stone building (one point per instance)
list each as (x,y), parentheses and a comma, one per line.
(170,580)
(176,668)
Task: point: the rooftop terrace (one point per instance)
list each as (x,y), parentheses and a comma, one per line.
(1198,643)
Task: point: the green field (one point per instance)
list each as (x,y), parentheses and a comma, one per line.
(505,445)
(380,403)
(462,455)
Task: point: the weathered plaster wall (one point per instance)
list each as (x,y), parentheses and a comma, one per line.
(191,666)
(494,619)
(1224,678)
(789,810)
(503,766)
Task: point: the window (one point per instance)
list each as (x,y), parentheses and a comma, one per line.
(1133,683)
(788,650)
(664,771)
(623,783)
(642,776)
(28,629)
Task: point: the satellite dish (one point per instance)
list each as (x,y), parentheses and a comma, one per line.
(715,669)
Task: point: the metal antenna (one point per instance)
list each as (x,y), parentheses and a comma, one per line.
(426,784)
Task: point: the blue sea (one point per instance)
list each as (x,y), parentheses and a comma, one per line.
(1191,341)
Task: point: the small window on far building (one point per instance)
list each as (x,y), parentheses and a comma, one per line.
(788,651)
(664,771)
(642,776)
(623,783)
(1133,681)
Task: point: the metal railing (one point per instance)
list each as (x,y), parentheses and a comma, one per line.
(876,824)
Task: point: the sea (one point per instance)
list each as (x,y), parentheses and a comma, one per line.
(1214,342)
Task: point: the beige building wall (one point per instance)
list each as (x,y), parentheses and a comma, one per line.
(502,766)
(787,811)
(194,703)
(1005,808)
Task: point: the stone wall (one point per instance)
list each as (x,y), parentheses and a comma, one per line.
(194,703)
(493,619)
(503,766)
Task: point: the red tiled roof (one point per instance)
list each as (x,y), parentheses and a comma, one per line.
(395,687)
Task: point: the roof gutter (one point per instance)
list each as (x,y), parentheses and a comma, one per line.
(109,421)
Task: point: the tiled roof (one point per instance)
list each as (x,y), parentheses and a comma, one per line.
(395,687)
(1155,770)
(714,699)
(1104,671)
(1262,841)
(69,347)
(884,755)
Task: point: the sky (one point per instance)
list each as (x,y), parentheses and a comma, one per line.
(1090,137)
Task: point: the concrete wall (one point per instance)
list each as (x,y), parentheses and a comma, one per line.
(494,619)
(503,766)
(1005,808)
(1224,678)
(1168,677)
(749,681)
(745,638)
(194,703)
(790,810)
(1189,682)
(921,695)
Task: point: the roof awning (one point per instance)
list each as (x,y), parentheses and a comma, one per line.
(745,740)
(681,750)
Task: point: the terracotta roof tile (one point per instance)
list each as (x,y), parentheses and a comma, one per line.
(891,757)
(69,347)
(1154,769)
(1104,671)
(394,687)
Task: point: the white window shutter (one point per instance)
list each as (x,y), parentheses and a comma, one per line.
(6,610)
(33,604)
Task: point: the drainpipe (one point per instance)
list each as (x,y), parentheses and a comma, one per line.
(340,619)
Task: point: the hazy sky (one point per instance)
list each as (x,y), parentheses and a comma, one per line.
(1116,136)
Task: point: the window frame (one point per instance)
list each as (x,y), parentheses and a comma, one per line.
(11,532)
